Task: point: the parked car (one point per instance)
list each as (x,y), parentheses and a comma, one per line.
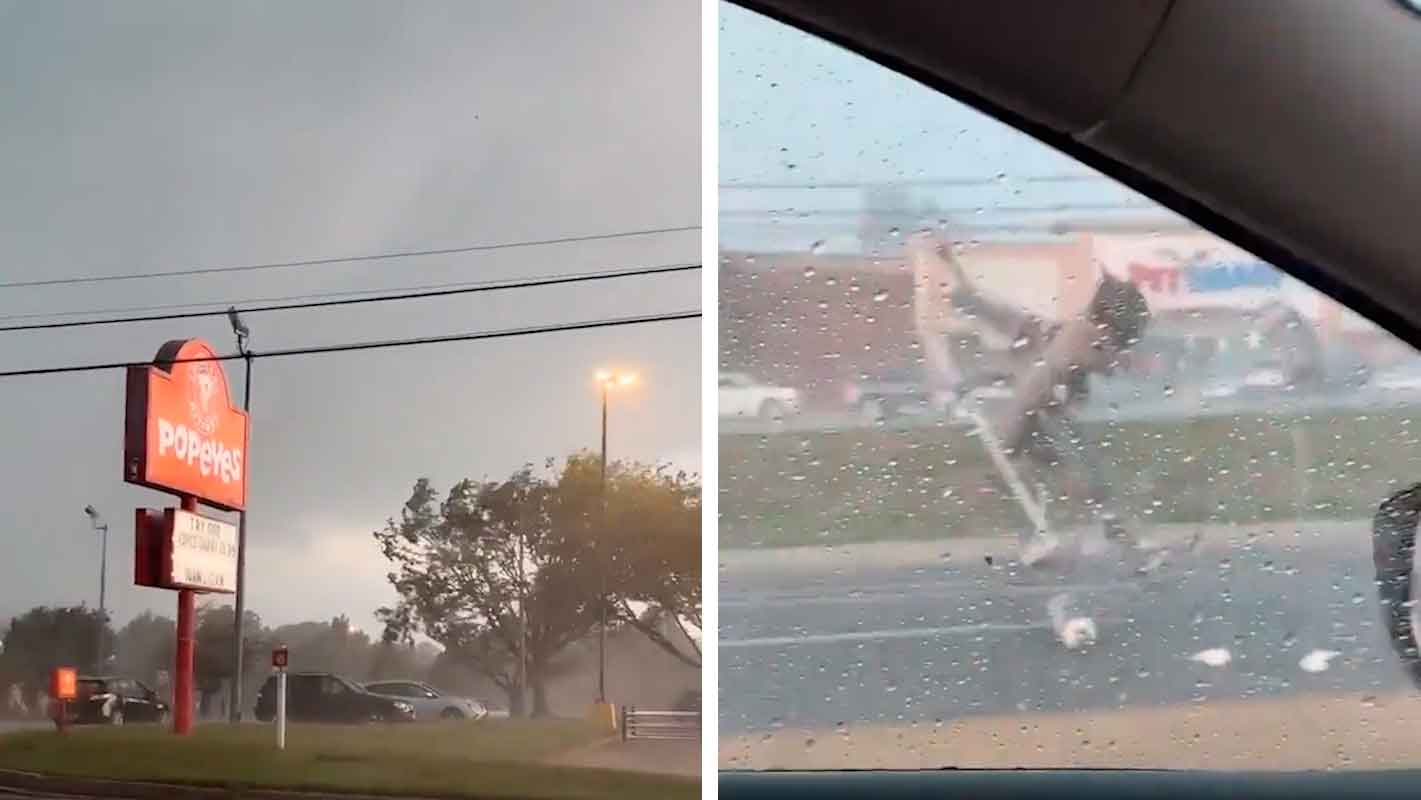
(112,700)
(324,697)
(890,394)
(428,702)
(742,396)
(1403,377)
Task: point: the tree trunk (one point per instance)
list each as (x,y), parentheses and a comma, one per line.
(517,705)
(540,694)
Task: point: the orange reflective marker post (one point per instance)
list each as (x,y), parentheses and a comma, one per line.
(63,687)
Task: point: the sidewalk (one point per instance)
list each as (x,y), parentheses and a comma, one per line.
(923,553)
(1298,732)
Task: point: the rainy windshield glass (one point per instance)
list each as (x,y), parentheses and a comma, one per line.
(1137,530)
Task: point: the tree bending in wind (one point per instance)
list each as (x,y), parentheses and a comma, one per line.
(461,581)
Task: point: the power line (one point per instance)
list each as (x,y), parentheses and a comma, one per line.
(477,248)
(375,345)
(468,288)
(243,303)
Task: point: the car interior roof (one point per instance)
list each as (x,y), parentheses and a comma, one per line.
(1285,127)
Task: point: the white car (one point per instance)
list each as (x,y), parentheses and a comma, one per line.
(743,396)
(1400,378)
(429,703)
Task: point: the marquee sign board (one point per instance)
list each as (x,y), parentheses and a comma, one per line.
(176,549)
(181,432)
(200,553)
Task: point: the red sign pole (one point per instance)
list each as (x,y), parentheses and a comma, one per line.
(187,633)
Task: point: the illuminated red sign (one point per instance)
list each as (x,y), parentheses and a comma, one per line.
(64,683)
(181,431)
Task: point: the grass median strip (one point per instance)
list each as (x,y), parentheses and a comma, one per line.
(491,759)
(935,482)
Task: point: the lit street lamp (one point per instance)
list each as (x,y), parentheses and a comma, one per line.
(608,380)
(102,528)
(234,713)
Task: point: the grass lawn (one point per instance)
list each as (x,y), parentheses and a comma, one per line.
(485,759)
(855,485)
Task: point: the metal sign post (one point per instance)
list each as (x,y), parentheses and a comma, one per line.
(278,661)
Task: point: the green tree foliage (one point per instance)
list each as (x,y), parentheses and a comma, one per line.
(145,646)
(460,580)
(44,638)
(212,661)
(654,533)
(465,568)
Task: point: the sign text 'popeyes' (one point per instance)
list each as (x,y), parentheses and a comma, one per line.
(181,432)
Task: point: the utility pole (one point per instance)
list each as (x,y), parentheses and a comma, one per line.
(522,626)
(234,712)
(102,528)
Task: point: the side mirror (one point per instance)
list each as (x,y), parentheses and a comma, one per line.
(1394,553)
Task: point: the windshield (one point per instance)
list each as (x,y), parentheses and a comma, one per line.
(1152,549)
(85,688)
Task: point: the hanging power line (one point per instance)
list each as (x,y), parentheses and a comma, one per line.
(376,345)
(467,288)
(477,248)
(211,304)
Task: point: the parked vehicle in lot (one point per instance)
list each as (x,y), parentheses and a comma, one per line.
(111,700)
(742,396)
(1403,377)
(324,697)
(891,394)
(428,702)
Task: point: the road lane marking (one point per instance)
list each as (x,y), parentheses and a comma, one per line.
(934,592)
(891,633)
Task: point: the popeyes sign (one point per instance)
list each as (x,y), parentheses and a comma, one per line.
(181,432)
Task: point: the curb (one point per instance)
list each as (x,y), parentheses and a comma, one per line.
(146,790)
(914,553)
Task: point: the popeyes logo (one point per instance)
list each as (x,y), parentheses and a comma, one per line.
(182,434)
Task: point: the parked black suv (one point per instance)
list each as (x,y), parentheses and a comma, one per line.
(324,697)
(111,700)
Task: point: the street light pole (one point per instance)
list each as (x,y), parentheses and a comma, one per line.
(234,712)
(608,381)
(602,541)
(102,528)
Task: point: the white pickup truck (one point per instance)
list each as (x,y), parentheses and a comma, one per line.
(742,396)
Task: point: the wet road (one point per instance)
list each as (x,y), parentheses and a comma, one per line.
(961,638)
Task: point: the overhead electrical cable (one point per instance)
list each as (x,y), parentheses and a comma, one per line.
(346,347)
(421,294)
(312,262)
